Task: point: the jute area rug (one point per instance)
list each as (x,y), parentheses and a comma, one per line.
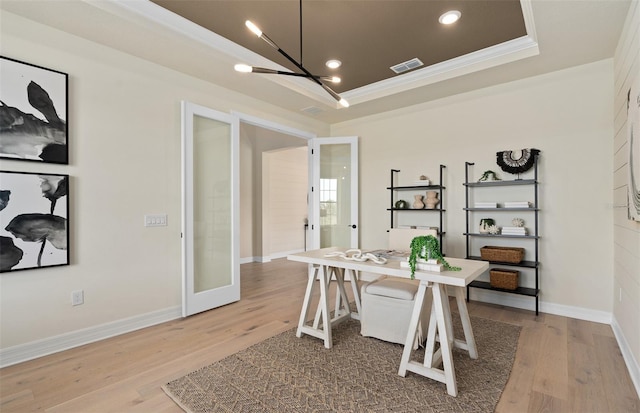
(289,374)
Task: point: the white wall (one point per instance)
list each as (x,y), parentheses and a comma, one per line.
(254,210)
(286,173)
(124,124)
(626,242)
(567,115)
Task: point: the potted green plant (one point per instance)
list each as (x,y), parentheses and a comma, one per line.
(427,247)
(485,224)
(488,176)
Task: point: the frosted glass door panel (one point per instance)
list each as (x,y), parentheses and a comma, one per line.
(212,204)
(210,239)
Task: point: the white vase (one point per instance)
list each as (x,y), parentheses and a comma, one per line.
(417,203)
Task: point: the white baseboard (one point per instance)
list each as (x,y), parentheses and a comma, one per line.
(529,303)
(632,364)
(248,260)
(284,254)
(29,351)
(273,256)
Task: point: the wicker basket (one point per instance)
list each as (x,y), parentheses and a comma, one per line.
(502,254)
(505,279)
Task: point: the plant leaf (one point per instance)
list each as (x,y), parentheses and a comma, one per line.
(38,227)
(4,199)
(10,255)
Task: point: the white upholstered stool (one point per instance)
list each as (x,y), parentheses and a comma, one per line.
(387,304)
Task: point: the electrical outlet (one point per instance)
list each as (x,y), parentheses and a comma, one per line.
(77,297)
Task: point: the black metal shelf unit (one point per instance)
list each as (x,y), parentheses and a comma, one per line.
(534,238)
(439,208)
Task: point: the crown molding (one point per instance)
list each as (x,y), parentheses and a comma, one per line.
(489,57)
(150,15)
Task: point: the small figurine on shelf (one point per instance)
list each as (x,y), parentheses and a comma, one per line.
(401,204)
(494,230)
(517,222)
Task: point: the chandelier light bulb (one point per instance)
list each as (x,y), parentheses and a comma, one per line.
(243,68)
(253,28)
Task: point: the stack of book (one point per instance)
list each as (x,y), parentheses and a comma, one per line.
(517,204)
(424,265)
(514,231)
(485,205)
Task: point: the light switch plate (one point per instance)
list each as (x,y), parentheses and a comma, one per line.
(156,220)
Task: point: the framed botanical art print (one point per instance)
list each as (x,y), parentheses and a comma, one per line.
(34,220)
(33,112)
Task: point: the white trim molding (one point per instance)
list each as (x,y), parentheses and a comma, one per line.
(633,366)
(150,14)
(528,303)
(39,348)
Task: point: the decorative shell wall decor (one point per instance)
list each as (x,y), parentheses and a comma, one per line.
(517,222)
(516,162)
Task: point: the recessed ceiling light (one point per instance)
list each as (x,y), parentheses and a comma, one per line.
(450,17)
(333,64)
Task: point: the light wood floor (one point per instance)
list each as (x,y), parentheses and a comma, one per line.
(562,364)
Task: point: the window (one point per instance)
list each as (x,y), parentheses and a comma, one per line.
(328,198)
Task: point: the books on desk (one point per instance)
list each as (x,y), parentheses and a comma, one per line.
(424,265)
(391,254)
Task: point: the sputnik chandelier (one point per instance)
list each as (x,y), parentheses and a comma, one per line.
(305,73)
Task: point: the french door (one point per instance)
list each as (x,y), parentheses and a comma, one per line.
(210,224)
(335,192)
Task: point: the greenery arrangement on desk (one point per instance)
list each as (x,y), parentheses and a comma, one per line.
(426,247)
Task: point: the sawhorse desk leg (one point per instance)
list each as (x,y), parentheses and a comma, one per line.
(440,329)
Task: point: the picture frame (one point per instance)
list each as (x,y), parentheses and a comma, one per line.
(34,220)
(34,106)
(633,131)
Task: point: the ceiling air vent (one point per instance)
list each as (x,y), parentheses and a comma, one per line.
(406,66)
(312,110)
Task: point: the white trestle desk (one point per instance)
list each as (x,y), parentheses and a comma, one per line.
(440,324)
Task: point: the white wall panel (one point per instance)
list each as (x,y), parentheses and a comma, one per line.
(626,311)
